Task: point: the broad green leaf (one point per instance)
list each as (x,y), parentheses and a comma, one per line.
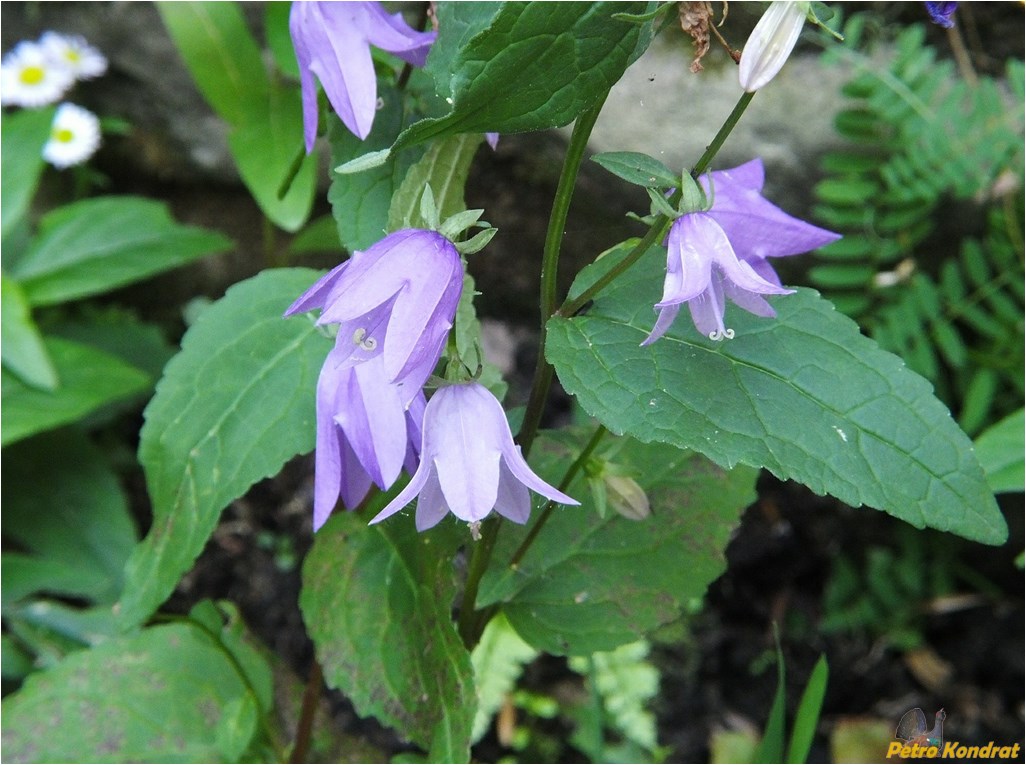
(161,695)
(579,589)
(23,136)
(805,395)
(119,332)
(360,201)
(444,167)
(232,407)
(636,168)
(220,54)
(1000,451)
(458,23)
(279,40)
(265,146)
(95,245)
(535,66)
(377,603)
(21,345)
(498,660)
(89,379)
(68,514)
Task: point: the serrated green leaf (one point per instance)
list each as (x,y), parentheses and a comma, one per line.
(92,246)
(579,588)
(377,602)
(232,407)
(498,660)
(21,345)
(23,136)
(532,54)
(89,379)
(639,169)
(69,514)
(161,695)
(1000,450)
(805,395)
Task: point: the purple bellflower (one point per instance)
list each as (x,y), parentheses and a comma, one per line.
(722,253)
(395,300)
(469,464)
(332,41)
(941,13)
(364,433)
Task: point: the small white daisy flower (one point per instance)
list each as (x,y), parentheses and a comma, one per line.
(72,52)
(74,136)
(28,77)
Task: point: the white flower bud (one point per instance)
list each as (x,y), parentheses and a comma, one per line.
(770,44)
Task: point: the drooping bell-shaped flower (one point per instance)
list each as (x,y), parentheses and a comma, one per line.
(332,42)
(770,43)
(397,300)
(469,464)
(942,14)
(722,253)
(365,434)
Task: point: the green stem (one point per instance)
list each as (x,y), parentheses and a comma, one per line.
(469,625)
(550,267)
(657,230)
(290,175)
(571,473)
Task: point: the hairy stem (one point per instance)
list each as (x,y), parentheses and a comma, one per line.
(657,230)
(550,265)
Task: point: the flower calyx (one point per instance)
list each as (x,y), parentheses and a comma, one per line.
(455,226)
(613,486)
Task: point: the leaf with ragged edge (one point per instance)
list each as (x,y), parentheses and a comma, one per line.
(805,395)
(579,589)
(95,245)
(1000,450)
(68,513)
(377,603)
(23,136)
(161,695)
(458,23)
(535,66)
(89,379)
(232,407)
(21,345)
(360,201)
(498,659)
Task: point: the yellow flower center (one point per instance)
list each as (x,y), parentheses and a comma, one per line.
(32,75)
(63,135)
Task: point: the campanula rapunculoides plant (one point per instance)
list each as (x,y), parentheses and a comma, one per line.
(441,507)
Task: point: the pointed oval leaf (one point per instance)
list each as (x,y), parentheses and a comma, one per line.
(377,604)
(232,407)
(805,395)
(579,588)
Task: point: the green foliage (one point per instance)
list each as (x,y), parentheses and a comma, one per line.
(226,414)
(922,141)
(22,347)
(1000,449)
(579,589)
(771,747)
(883,596)
(498,659)
(265,116)
(625,681)
(804,395)
(194,691)
(376,601)
(95,245)
(24,134)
